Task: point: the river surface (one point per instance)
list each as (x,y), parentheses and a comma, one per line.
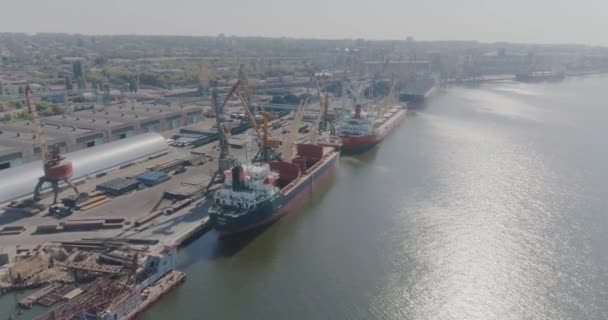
(489,203)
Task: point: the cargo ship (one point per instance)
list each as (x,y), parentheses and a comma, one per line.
(416,91)
(363,130)
(256,195)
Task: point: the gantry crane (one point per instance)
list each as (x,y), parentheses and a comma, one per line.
(56,168)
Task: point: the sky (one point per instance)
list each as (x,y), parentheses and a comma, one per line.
(527,21)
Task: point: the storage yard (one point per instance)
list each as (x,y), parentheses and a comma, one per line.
(103,278)
(153,194)
(95,231)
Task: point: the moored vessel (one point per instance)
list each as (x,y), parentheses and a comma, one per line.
(362,130)
(256,195)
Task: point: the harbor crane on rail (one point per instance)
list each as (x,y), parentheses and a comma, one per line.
(324,122)
(56,168)
(225,159)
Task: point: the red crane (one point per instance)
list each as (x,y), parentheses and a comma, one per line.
(56,168)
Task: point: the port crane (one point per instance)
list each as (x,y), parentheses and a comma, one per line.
(287,153)
(323,122)
(56,168)
(267,144)
(225,160)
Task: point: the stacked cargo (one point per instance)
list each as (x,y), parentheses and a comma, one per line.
(119,186)
(152,178)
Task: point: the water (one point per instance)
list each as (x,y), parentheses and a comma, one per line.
(488,204)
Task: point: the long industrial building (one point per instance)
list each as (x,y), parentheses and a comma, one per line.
(19,182)
(89,128)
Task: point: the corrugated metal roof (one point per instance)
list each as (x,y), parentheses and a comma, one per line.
(20,181)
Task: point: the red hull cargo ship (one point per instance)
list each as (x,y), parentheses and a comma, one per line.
(361,131)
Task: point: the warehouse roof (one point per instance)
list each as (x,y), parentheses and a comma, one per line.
(19,182)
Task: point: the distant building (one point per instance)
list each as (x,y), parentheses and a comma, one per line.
(404,67)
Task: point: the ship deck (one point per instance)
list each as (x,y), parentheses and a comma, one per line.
(328,154)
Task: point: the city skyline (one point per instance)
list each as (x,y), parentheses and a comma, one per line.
(541,21)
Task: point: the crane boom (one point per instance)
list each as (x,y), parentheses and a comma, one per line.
(251,118)
(323,107)
(288,146)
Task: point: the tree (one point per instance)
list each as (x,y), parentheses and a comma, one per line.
(16,104)
(291,98)
(68,83)
(134,84)
(101,61)
(106,94)
(203,80)
(49,109)
(81,83)
(77,69)
(277,100)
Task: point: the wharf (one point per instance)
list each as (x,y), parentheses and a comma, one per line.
(156,291)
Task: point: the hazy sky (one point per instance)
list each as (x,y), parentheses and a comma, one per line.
(547,21)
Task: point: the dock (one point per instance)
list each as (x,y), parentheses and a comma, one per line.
(156,291)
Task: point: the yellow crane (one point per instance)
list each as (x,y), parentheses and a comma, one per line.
(288,150)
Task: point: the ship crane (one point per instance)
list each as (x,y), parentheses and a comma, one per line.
(388,101)
(267,144)
(56,168)
(225,159)
(288,151)
(244,83)
(322,123)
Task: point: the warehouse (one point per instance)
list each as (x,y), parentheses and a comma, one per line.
(89,128)
(20,181)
